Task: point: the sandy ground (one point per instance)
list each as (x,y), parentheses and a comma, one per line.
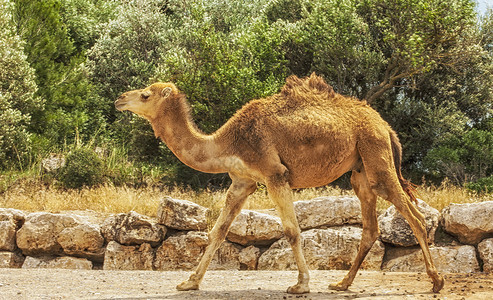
(78,284)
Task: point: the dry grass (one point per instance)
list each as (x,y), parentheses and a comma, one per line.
(446,194)
(109,199)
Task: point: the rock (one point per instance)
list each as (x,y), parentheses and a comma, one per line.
(47,234)
(324,249)
(83,240)
(227,257)
(38,235)
(254,228)
(395,229)
(470,222)
(10,221)
(53,163)
(249,258)
(11,259)
(133,229)
(65,262)
(328,211)
(182,214)
(451,259)
(120,257)
(485,249)
(181,251)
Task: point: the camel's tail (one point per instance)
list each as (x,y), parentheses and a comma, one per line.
(407,186)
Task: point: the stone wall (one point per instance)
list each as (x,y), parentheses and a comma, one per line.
(460,238)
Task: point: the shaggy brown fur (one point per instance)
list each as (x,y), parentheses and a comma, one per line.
(305,136)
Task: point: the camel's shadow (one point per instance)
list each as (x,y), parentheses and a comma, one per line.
(256,294)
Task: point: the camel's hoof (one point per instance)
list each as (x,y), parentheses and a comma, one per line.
(338,286)
(298,289)
(438,285)
(187,285)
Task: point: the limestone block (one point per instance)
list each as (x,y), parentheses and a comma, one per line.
(448,259)
(65,262)
(10,221)
(57,234)
(38,235)
(396,230)
(182,214)
(53,163)
(471,222)
(133,229)
(324,249)
(181,251)
(120,257)
(327,212)
(227,257)
(485,249)
(254,228)
(249,258)
(11,259)
(83,240)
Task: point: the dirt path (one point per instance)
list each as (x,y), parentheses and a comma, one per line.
(78,284)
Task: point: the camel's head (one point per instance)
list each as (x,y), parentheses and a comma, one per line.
(146,102)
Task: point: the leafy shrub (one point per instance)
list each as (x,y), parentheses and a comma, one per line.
(483,185)
(83,168)
(464,158)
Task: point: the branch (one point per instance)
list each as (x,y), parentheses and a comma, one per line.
(393,73)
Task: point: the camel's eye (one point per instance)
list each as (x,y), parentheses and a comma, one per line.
(145,95)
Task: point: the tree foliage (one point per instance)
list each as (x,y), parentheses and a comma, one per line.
(17,93)
(417,36)
(426,66)
(60,75)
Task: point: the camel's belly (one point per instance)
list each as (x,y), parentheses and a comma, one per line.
(314,169)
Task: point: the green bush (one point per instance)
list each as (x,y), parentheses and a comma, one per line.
(83,168)
(468,157)
(483,185)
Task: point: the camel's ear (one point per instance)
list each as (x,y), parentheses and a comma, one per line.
(166,92)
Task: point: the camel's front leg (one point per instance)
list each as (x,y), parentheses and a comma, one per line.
(238,192)
(282,196)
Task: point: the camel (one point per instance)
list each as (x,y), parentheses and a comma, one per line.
(304,136)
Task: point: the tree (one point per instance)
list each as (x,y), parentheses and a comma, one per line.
(223,54)
(17,93)
(85,20)
(417,36)
(70,105)
(220,62)
(468,155)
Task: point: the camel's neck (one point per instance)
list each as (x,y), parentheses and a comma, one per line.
(177,130)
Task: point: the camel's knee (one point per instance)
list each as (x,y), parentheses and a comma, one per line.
(417,225)
(292,234)
(380,189)
(370,234)
(219,235)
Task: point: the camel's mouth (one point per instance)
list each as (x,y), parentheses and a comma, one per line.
(120,105)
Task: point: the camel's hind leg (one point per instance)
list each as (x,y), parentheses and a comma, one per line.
(414,218)
(238,192)
(383,180)
(370,233)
